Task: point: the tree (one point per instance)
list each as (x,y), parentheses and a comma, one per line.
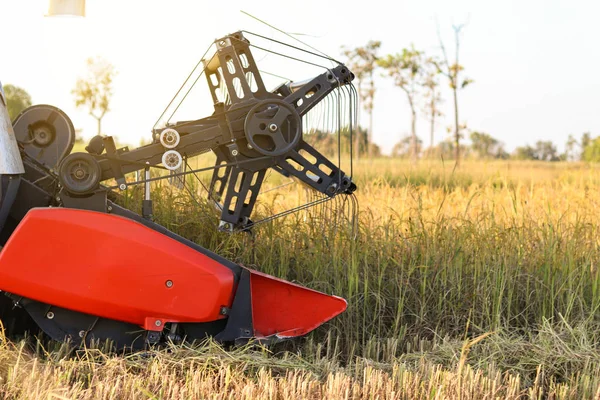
(591,153)
(542,151)
(486,146)
(570,149)
(17,99)
(362,62)
(433,97)
(406,69)
(453,71)
(405,147)
(586,140)
(95,90)
(545,151)
(445,149)
(524,153)
(327,143)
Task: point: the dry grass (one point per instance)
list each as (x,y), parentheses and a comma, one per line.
(209,372)
(480,282)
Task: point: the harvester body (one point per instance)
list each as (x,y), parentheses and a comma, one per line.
(84,268)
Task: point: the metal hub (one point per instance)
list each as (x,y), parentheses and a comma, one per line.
(172,160)
(79,173)
(42,135)
(273,127)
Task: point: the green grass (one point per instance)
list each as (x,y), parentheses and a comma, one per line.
(469,278)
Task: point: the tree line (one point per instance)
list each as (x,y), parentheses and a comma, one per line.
(418,75)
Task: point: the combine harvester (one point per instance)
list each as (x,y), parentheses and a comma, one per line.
(84,268)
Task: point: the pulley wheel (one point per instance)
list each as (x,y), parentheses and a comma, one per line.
(46,134)
(169,138)
(172,160)
(273,127)
(79,173)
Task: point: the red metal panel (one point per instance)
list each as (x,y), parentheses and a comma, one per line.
(285,309)
(112,267)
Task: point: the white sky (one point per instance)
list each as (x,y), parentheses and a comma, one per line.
(535,63)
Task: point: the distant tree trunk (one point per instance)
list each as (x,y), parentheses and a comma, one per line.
(370,135)
(413,132)
(456,128)
(432,127)
(357,139)
(363,61)
(452,72)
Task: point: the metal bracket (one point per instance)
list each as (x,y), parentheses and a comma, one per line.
(239,323)
(7,199)
(95,202)
(111,151)
(242,191)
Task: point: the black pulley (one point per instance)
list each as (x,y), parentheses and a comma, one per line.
(79,173)
(46,134)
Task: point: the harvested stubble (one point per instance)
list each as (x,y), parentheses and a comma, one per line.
(209,372)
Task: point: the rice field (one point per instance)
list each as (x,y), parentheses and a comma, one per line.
(470,283)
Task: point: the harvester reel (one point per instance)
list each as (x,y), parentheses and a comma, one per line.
(79,173)
(46,134)
(273,127)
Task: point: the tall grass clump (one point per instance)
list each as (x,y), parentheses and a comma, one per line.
(501,253)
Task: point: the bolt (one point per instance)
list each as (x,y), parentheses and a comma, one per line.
(223,310)
(122,186)
(169,283)
(81,334)
(50,315)
(250,146)
(273,127)
(234,153)
(158,323)
(222,43)
(109,208)
(153,337)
